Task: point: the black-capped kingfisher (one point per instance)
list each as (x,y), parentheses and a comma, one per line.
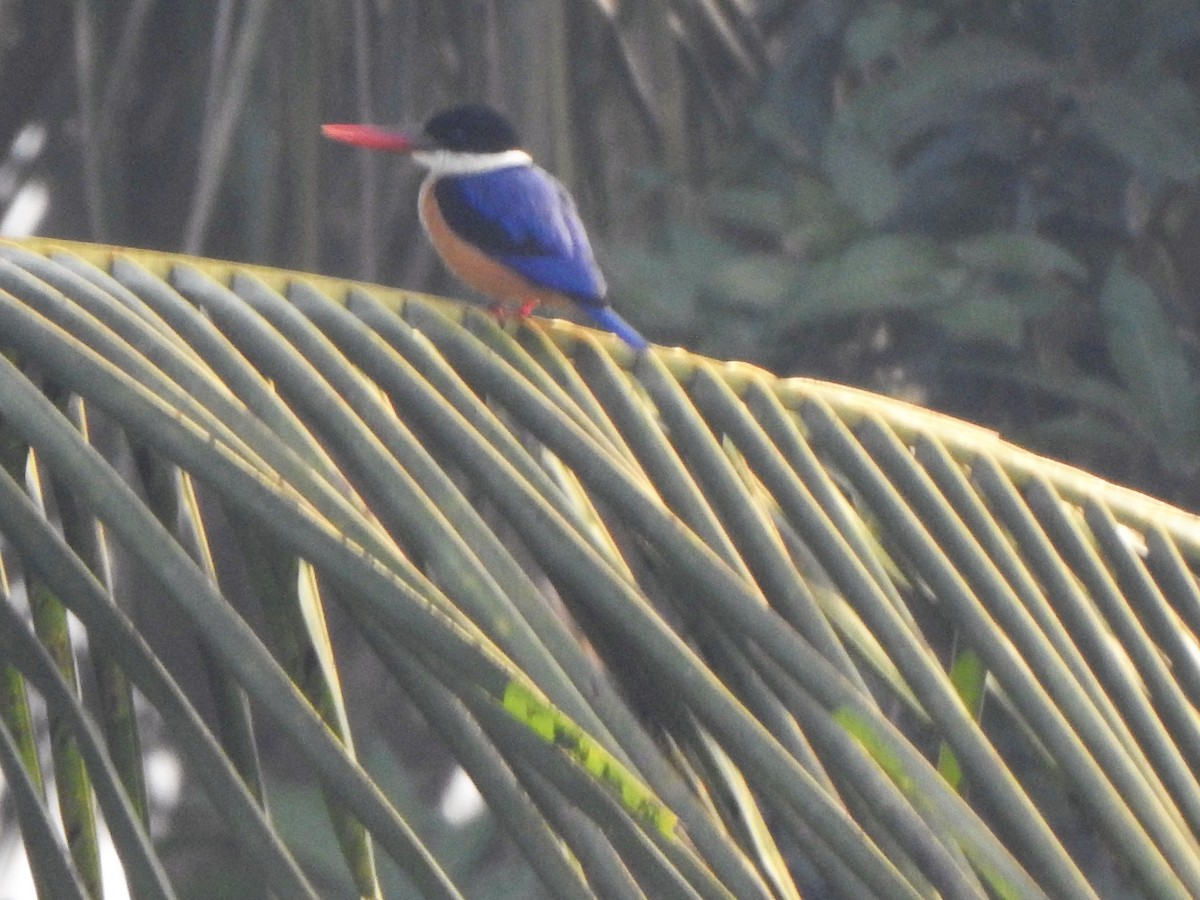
(504,226)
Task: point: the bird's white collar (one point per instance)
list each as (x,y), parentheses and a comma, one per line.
(453,162)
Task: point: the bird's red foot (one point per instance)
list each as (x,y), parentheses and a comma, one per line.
(502,310)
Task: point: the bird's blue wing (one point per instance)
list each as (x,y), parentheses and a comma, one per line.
(523,217)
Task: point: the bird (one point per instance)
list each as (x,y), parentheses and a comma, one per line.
(502,224)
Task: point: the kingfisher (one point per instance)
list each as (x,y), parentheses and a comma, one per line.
(503,225)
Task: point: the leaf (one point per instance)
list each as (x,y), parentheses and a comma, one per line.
(1155,126)
(660,503)
(667,295)
(821,221)
(936,87)
(1148,356)
(759,280)
(861,171)
(1085,434)
(696,254)
(881,272)
(969,677)
(881,28)
(758,208)
(983,315)
(1018,253)
(941,85)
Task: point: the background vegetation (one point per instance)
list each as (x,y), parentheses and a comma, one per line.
(986,207)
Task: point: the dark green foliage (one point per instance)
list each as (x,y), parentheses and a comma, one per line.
(988,207)
(926,198)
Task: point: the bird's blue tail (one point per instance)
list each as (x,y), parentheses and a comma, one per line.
(607,318)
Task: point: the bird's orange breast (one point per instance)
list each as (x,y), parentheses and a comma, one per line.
(474,267)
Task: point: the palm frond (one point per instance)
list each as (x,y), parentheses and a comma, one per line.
(691,629)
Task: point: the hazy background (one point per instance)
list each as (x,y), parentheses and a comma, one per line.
(989,207)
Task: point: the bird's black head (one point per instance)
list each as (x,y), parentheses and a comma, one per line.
(473,128)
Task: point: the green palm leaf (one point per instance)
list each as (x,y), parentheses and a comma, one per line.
(692,630)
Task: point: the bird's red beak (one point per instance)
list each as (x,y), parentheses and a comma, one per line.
(371,137)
